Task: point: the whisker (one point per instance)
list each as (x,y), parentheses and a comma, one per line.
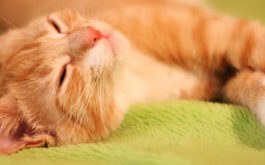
(69,112)
(60,120)
(8,22)
(79,99)
(102,101)
(83,115)
(84,110)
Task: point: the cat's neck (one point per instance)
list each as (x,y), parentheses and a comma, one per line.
(143,78)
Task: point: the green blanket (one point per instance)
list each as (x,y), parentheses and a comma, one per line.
(179,133)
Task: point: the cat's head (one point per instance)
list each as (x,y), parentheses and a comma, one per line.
(56,81)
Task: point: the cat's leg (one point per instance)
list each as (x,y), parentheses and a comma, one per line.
(217,41)
(247,88)
(238,43)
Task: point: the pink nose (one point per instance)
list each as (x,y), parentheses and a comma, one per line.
(92,35)
(84,38)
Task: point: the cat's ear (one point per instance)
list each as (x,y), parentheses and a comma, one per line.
(15,133)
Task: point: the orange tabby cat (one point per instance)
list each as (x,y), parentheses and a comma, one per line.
(68,79)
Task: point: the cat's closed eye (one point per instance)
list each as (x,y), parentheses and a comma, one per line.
(62,75)
(55,25)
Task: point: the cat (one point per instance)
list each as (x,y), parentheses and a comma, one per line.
(69,77)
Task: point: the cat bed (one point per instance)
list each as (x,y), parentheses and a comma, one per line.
(179,133)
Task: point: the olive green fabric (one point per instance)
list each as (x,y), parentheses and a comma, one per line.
(179,132)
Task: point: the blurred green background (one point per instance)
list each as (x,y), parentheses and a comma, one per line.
(251,9)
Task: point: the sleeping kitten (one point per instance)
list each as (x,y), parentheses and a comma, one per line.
(68,79)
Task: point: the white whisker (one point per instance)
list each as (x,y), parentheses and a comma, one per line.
(86,104)
(101,102)
(80,112)
(8,22)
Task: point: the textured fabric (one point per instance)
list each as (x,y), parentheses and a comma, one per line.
(180,133)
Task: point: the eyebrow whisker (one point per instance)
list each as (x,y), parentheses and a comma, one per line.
(8,22)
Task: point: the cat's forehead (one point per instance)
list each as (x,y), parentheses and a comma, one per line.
(68,20)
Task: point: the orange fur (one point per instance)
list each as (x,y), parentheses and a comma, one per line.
(173,50)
